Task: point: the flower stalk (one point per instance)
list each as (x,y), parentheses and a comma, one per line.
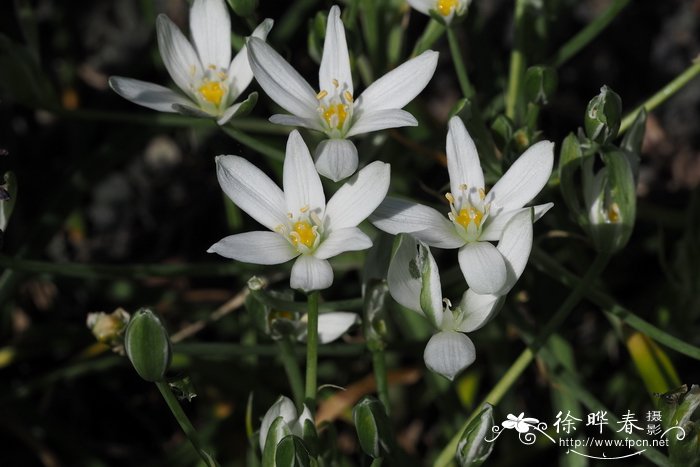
(291,367)
(517,61)
(312,349)
(460,68)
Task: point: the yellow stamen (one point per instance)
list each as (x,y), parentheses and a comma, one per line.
(303,232)
(450,198)
(348,96)
(614,213)
(467,215)
(482,194)
(335,83)
(212,92)
(321,95)
(335,110)
(463,186)
(304,209)
(445,7)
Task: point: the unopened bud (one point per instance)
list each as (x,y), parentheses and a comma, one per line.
(603,116)
(148,346)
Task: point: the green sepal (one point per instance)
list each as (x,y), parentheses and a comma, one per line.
(247,105)
(278,430)
(473,449)
(603,116)
(310,437)
(291,452)
(540,84)
(372,426)
(571,163)
(147,345)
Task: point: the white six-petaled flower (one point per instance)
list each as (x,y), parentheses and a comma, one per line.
(447,9)
(206,74)
(334,110)
(302,225)
(414,282)
(475,218)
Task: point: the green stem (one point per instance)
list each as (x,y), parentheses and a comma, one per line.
(185,424)
(430,35)
(517,61)
(587,34)
(461,70)
(311,350)
(380,376)
(377,462)
(527,355)
(254,144)
(370,27)
(660,97)
(291,367)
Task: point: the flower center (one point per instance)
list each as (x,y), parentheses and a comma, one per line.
(303,232)
(335,108)
(467,215)
(469,212)
(212,92)
(445,7)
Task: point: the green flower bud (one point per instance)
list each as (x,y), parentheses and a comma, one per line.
(147,345)
(603,116)
(372,426)
(540,84)
(473,449)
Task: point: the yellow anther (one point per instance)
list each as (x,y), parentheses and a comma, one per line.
(482,194)
(445,7)
(463,187)
(614,213)
(450,198)
(212,92)
(337,111)
(290,215)
(303,232)
(335,83)
(304,209)
(321,95)
(467,215)
(348,96)
(212,67)
(222,76)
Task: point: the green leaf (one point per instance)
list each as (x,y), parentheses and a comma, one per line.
(147,345)
(372,426)
(291,452)
(278,430)
(22,77)
(473,449)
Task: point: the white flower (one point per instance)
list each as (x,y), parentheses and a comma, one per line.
(334,110)
(302,225)
(414,282)
(206,74)
(447,9)
(475,218)
(294,424)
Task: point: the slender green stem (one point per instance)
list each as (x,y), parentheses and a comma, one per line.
(587,34)
(254,144)
(380,376)
(430,35)
(660,97)
(291,367)
(185,424)
(370,27)
(527,355)
(517,61)
(311,349)
(455,50)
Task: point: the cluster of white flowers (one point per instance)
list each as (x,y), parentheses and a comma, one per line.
(305,227)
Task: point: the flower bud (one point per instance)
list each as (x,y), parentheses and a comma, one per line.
(540,84)
(603,116)
(108,328)
(148,346)
(372,426)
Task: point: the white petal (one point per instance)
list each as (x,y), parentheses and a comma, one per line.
(228,114)
(293,120)
(284,408)
(310,273)
(515,246)
(448,353)
(177,53)
(335,62)
(381,119)
(239,72)
(404,275)
(251,190)
(280,81)
(358,197)
(495,224)
(302,185)
(483,267)
(424,6)
(210,27)
(336,158)
(477,309)
(398,87)
(298,426)
(333,325)
(462,159)
(396,216)
(525,178)
(259,247)
(339,241)
(149,95)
